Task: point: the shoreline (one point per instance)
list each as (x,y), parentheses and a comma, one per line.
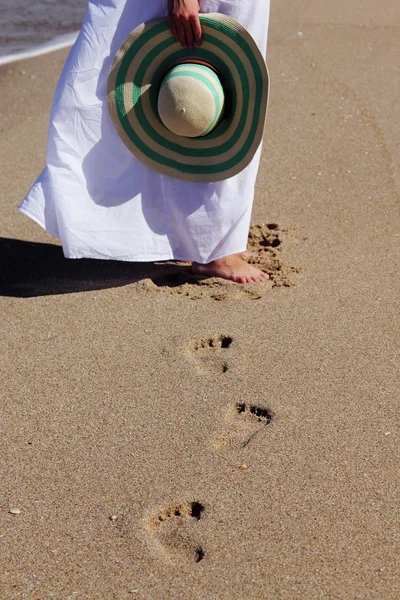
(58,43)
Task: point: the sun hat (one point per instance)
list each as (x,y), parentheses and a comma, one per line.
(193,114)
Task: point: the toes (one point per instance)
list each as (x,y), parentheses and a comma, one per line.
(256,278)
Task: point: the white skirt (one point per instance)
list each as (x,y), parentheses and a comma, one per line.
(98,198)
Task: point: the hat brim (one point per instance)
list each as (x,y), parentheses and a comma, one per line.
(138,69)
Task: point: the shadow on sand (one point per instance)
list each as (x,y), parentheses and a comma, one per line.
(29,269)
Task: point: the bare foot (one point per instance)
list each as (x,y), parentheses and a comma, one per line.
(231,267)
(244,255)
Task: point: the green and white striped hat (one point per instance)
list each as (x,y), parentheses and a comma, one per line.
(196,114)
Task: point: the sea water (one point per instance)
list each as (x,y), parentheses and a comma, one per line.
(27,24)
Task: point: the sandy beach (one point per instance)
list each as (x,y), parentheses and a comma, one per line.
(167,438)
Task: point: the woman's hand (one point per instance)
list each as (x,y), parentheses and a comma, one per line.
(183,16)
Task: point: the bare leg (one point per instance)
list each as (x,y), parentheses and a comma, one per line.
(247,254)
(231,267)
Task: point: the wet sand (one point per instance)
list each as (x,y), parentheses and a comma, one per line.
(164,438)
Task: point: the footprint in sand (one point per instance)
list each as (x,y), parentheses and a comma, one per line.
(211,353)
(245,421)
(177,533)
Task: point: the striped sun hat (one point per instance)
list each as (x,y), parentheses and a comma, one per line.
(196,114)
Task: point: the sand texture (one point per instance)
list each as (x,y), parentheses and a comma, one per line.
(165,437)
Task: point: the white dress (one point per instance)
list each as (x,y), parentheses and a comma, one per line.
(97,197)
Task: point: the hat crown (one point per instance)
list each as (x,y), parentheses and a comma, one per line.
(191,100)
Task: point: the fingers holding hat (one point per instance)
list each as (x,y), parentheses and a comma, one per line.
(197,32)
(184,22)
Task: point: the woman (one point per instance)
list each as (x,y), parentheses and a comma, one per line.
(98,198)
